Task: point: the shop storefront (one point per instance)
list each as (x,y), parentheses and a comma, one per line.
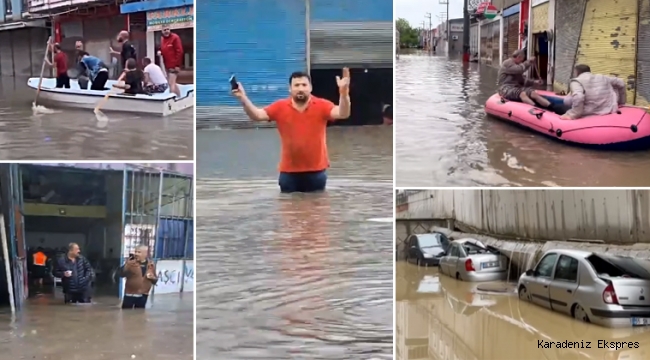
(540,39)
(490,33)
(149,18)
(511,30)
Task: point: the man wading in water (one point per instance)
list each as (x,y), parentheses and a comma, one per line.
(302,123)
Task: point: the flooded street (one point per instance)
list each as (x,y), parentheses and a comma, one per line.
(74,134)
(294,276)
(48,329)
(444,138)
(440,318)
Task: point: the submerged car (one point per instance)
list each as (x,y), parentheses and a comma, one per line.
(608,290)
(470,260)
(426,249)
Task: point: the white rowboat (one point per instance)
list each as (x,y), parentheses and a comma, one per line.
(162,104)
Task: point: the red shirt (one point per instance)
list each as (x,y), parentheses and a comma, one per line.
(171,50)
(61,63)
(302,134)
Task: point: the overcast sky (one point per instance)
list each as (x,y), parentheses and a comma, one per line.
(415,10)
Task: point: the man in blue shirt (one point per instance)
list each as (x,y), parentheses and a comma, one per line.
(97,70)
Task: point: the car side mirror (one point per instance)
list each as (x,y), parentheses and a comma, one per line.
(414,247)
(530,272)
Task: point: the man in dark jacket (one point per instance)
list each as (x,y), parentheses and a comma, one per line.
(76,275)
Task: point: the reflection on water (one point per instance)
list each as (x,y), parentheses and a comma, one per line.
(47,329)
(441,318)
(69,134)
(443,137)
(294,276)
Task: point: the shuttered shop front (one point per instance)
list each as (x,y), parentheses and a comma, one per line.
(473,39)
(350,33)
(607,40)
(643,58)
(511,28)
(490,42)
(22,51)
(540,17)
(568,22)
(261,42)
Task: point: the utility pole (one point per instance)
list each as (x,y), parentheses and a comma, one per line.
(429,35)
(446,2)
(466,55)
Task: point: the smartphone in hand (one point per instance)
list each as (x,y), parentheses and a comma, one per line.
(233,83)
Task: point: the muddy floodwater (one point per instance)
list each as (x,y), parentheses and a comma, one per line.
(72,134)
(444,138)
(294,276)
(48,329)
(440,318)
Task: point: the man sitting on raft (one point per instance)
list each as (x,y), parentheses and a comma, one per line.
(593,94)
(514,86)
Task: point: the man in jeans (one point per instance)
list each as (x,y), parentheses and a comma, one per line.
(76,275)
(140,274)
(302,124)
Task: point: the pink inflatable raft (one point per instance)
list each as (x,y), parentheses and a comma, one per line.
(628,129)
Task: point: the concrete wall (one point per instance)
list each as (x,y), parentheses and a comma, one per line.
(613,216)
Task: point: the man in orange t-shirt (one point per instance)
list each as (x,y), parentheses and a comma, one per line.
(302,124)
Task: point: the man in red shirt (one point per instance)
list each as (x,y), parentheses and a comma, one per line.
(171,50)
(61,65)
(302,124)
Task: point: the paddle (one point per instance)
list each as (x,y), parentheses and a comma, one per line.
(40,79)
(113,91)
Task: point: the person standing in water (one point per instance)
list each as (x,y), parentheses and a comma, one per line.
(302,122)
(171,50)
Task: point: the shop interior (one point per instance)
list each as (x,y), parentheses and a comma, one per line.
(370,90)
(541,55)
(63,205)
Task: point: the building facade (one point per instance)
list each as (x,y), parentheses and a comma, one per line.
(316,36)
(612,40)
(23,39)
(146,20)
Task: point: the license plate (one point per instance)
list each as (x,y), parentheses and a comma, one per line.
(487,265)
(640,321)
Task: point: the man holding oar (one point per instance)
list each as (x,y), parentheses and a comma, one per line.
(302,124)
(61,65)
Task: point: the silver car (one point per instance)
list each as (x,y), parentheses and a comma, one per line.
(471,260)
(612,291)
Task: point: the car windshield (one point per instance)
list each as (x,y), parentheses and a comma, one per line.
(430,240)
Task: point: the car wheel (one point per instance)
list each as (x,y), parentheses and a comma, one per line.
(580,314)
(523,293)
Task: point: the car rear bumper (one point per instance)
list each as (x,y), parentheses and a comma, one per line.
(617,318)
(490,276)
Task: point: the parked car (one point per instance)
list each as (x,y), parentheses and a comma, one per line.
(426,249)
(608,290)
(470,260)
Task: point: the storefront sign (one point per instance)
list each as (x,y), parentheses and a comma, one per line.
(188,276)
(176,18)
(170,276)
(456,27)
(487,10)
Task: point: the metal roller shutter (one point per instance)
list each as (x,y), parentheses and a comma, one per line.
(495,30)
(513,34)
(262,42)
(473,39)
(485,47)
(607,41)
(540,18)
(568,22)
(39,43)
(506,40)
(337,44)
(22,52)
(643,58)
(6,54)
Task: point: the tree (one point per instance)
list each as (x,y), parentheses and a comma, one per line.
(408,36)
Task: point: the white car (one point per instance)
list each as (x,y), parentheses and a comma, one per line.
(470,260)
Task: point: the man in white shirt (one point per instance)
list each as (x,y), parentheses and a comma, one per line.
(154,78)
